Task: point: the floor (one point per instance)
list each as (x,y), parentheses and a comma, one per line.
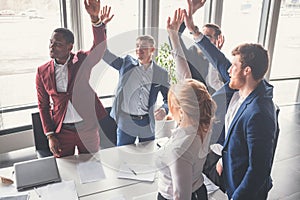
(286,167)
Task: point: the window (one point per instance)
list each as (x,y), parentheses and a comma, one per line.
(167,9)
(286,57)
(122,31)
(240,23)
(26,28)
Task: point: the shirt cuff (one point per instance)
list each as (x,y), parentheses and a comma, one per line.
(198,38)
(49,133)
(220,161)
(98,24)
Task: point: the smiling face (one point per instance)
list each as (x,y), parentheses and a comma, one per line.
(144,51)
(236,73)
(59,49)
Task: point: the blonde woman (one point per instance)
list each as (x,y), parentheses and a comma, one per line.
(181,160)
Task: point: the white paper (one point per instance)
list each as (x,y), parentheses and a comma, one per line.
(58,191)
(90,171)
(210,186)
(120,197)
(137,172)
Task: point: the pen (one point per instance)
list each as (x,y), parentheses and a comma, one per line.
(37,192)
(132,171)
(158,145)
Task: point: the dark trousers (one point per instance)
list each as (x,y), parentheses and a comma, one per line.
(200,194)
(209,169)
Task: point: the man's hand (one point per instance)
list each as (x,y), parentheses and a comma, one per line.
(54,145)
(197,4)
(173,26)
(188,16)
(160,114)
(219,167)
(105,15)
(220,41)
(93,9)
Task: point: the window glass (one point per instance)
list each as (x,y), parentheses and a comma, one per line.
(167,9)
(286,57)
(122,31)
(26,28)
(240,22)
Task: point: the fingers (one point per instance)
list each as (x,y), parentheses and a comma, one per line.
(175,16)
(104,9)
(178,17)
(55,146)
(168,22)
(56,151)
(108,12)
(160,114)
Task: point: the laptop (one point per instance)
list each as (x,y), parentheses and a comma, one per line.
(34,173)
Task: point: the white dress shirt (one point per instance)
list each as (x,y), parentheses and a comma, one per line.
(136,91)
(213,78)
(234,105)
(61,77)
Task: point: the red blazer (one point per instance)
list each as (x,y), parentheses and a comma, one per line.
(53,104)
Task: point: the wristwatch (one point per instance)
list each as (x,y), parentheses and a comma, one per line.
(195,30)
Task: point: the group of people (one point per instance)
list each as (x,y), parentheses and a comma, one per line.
(214,101)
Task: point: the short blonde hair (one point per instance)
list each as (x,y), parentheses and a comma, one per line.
(195,101)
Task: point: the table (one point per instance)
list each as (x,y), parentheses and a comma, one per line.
(111,186)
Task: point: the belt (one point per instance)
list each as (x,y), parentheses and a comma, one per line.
(139,117)
(71,126)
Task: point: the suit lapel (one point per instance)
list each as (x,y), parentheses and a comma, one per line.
(51,70)
(240,111)
(236,117)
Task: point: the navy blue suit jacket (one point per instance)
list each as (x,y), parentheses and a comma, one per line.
(160,83)
(248,149)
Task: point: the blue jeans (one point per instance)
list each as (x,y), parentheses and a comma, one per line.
(130,127)
(124,138)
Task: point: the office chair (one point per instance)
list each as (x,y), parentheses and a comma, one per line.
(40,139)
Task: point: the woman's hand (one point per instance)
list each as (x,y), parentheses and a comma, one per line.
(173,26)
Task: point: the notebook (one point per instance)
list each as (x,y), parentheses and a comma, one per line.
(36,172)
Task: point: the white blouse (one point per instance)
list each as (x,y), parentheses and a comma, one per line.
(180,163)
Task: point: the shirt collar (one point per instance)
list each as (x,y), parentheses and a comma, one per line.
(58,65)
(150,65)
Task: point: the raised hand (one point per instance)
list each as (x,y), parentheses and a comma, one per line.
(197,4)
(173,26)
(188,16)
(105,14)
(181,66)
(220,41)
(93,9)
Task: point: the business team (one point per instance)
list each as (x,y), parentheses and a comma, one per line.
(70,109)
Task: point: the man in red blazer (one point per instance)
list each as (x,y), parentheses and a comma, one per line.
(69,107)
